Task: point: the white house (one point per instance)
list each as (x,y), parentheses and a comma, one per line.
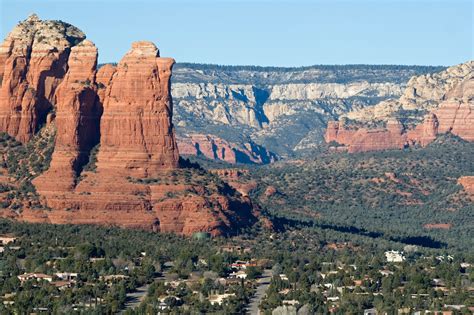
(394,256)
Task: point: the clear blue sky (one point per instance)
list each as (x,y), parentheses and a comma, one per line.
(264,32)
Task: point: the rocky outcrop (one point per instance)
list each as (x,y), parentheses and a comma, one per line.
(454,115)
(33,61)
(115,159)
(215,148)
(467,182)
(364,139)
(423,93)
(137,134)
(78,111)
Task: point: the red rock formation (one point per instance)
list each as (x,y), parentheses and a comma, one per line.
(137,142)
(364,139)
(33,62)
(77,120)
(136,181)
(215,148)
(137,135)
(103,79)
(236,179)
(467,182)
(210,146)
(456,116)
(270,191)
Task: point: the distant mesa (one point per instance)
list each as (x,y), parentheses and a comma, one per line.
(115,159)
(447,97)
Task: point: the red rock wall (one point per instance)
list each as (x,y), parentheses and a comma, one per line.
(137,135)
(215,148)
(456,116)
(78,112)
(211,147)
(33,62)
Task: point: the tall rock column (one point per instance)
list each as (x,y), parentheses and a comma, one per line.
(77,120)
(137,134)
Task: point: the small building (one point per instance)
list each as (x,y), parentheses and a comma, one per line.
(5,239)
(386,273)
(63,284)
(238,275)
(240,264)
(66,276)
(394,256)
(219,298)
(35,276)
(283,277)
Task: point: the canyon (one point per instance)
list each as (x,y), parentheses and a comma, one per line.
(268,113)
(115,159)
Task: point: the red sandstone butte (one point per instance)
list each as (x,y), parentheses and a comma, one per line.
(137,135)
(127,110)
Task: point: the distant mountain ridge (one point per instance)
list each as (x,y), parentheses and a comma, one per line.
(431,104)
(283,110)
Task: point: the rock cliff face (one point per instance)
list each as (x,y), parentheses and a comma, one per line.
(283,110)
(136,129)
(422,94)
(78,111)
(451,105)
(33,62)
(115,159)
(216,148)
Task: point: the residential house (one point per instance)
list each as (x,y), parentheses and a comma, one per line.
(394,256)
(5,239)
(35,276)
(219,298)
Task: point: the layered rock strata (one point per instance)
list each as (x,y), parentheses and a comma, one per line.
(215,148)
(78,112)
(33,62)
(115,160)
(454,114)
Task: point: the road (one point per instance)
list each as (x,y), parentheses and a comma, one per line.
(263,284)
(136,297)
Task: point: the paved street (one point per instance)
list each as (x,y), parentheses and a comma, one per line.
(263,284)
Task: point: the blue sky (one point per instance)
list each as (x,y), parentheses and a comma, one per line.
(269,33)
